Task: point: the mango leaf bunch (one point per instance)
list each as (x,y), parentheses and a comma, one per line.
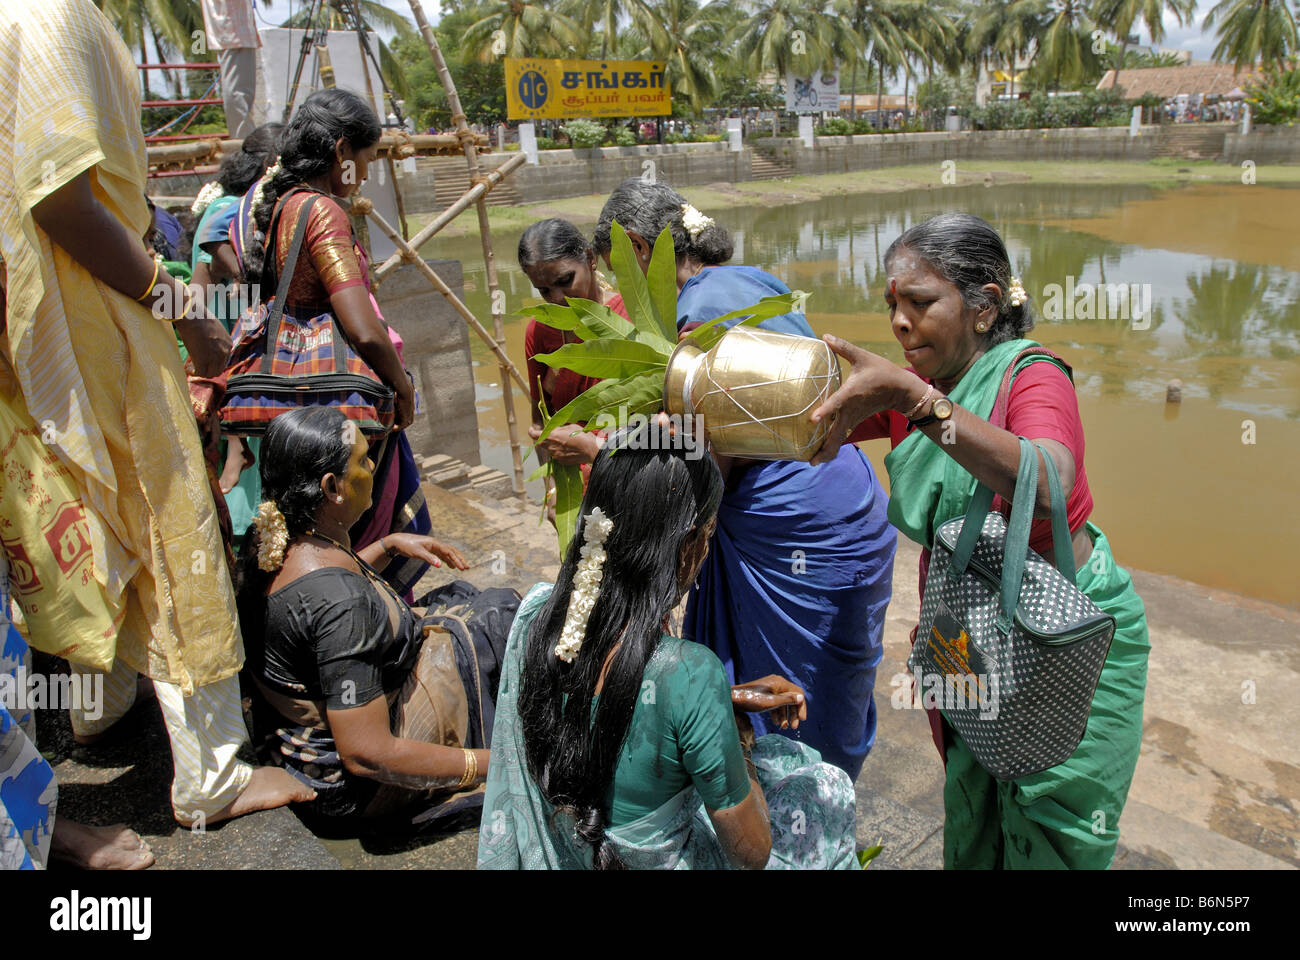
(629,356)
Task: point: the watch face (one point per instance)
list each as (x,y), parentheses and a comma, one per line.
(942,408)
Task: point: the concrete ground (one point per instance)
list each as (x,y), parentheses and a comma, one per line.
(1217,785)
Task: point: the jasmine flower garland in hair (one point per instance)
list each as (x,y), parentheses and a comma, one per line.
(211,190)
(586,585)
(272,536)
(1016,292)
(694,221)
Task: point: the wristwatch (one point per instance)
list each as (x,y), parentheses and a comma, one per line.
(940,409)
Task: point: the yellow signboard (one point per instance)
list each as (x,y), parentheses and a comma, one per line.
(558,89)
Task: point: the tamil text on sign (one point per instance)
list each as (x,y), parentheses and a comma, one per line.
(557,89)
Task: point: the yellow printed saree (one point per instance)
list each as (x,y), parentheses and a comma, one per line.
(97,373)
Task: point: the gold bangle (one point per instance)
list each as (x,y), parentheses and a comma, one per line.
(157,265)
(185,310)
(471,770)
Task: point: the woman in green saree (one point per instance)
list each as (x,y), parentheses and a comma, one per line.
(617,746)
(961,318)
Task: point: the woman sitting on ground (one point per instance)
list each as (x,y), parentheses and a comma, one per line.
(960,317)
(372,710)
(616,745)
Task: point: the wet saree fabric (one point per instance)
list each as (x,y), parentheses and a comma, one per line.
(800,570)
(811,803)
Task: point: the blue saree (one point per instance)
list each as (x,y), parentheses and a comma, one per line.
(28,793)
(800,570)
(810,803)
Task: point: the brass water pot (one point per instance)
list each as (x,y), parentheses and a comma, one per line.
(755,390)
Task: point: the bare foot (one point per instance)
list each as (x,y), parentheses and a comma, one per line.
(270,787)
(99,848)
(230,476)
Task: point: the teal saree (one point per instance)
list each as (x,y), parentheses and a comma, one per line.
(811,804)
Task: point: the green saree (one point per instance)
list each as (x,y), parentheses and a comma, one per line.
(1066,816)
(810,803)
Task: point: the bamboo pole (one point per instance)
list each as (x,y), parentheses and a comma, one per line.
(485,233)
(451,213)
(408,253)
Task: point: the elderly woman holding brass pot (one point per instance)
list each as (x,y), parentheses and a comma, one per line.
(799,570)
(961,317)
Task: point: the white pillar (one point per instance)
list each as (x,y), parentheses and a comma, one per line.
(528,142)
(1245,118)
(734,134)
(1135,122)
(806,129)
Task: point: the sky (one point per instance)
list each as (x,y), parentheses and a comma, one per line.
(1176,38)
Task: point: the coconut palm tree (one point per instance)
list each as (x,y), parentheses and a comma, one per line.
(685,35)
(882,42)
(528,29)
(790,36)
(925,32)
(1251,30)
(170,23)
(1005,29)
(1065,50)
(1119,16)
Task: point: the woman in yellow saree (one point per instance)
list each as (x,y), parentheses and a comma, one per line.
(105,512)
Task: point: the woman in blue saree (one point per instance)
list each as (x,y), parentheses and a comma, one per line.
(617,746)
(800,570)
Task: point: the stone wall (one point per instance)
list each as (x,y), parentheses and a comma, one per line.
(574,173)
(436,351)
(1263,145)
(845,154)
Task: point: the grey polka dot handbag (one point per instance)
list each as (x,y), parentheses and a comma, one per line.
(1008,647)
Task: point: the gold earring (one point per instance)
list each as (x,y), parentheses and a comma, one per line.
(982,326)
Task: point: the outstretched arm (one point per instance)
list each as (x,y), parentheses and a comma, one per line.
(989,453)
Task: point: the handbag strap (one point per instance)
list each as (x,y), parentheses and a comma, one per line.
(1062,544)
(1016,544)
(998,416)
(1015,547)
(276,314)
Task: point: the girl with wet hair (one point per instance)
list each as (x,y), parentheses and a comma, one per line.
(799,574)
(960,315)
(560,262)
(619,746)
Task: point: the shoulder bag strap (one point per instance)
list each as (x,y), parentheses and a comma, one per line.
(998,417)
(1062,545)
(276,314)
(1016,544)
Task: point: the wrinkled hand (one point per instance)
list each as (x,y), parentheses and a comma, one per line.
(785,698)
(431,551)
(873,385)
(569,444)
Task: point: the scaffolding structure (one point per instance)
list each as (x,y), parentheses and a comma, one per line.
(173,159)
